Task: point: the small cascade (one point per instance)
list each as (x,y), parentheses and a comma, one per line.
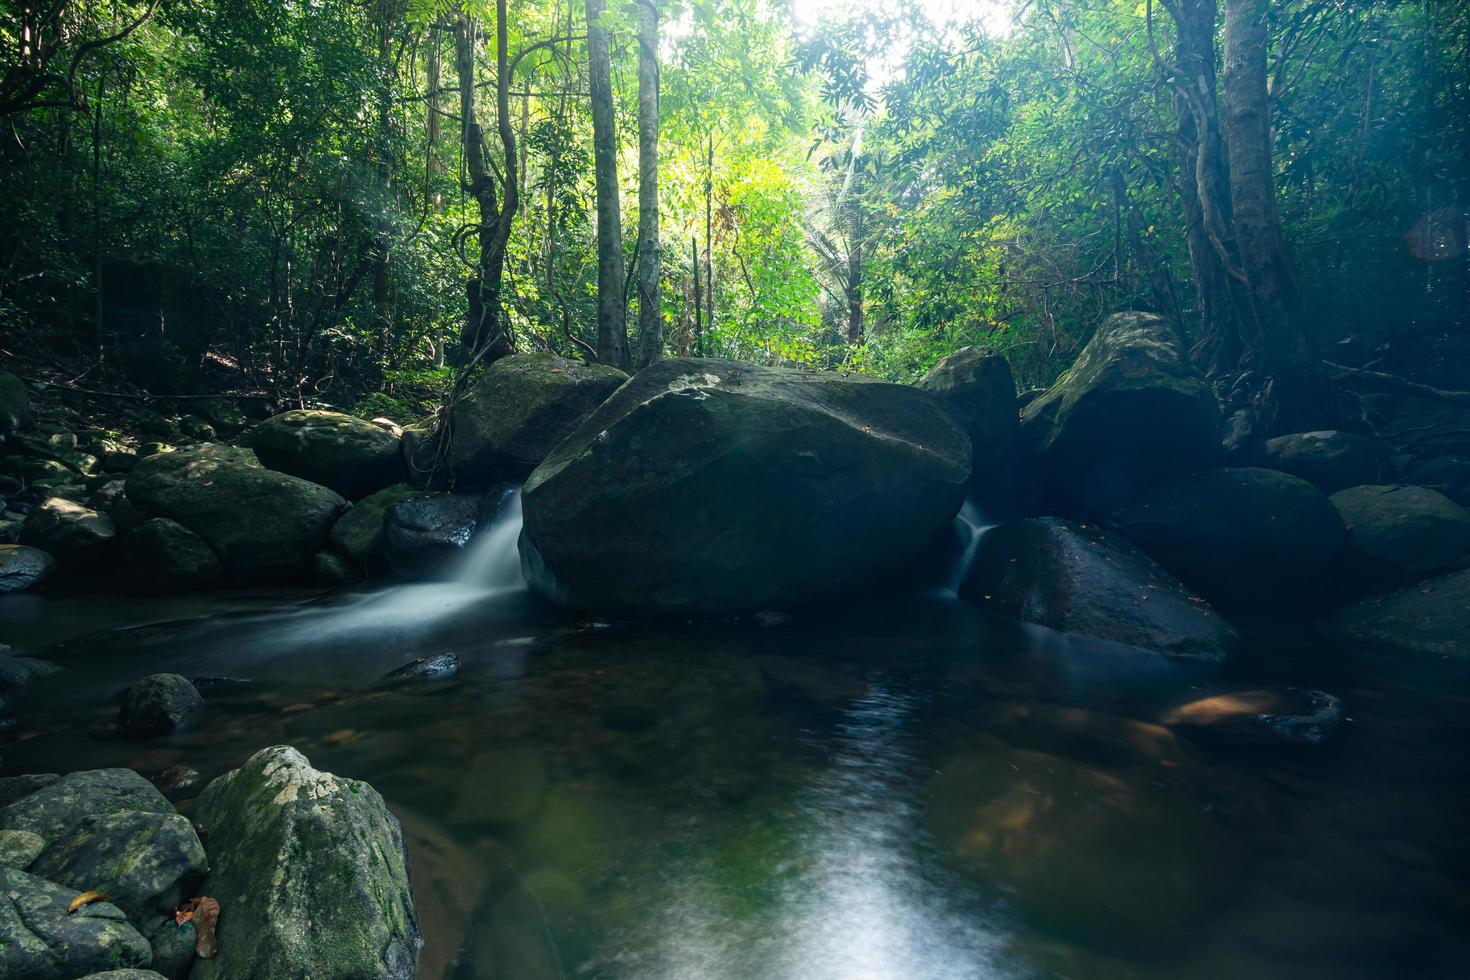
(491,559)
(973,525)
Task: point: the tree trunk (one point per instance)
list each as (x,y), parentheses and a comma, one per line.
(1275,333)
(650,307)
(612,326)
(855,278)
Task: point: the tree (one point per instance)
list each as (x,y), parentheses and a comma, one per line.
(612,325)
(650,307)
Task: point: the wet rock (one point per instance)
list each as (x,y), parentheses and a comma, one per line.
(77,536)
(15,412)
(1330,460)
(1245,538)
(331,569)
(125,975)
(23,567)
(1080,579)
(422,534)
(311,871)
(358,534)
(1429,620)
(13,788)
(976,386)
(436,668)
(349,455)
(106,495)
(520,409)
(176,778)
(1131,409)
(146,863)
(19,848)
(160,703)
(17,671)
(173,947)
(1399,534)
(704,487)
(39,940)
(58,807)
(1262,716)
(263,524)
(166,554)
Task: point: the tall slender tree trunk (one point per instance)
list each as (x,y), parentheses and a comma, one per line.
(855,277)
(709,236)
(1275,333)
(612,325)
(650,306)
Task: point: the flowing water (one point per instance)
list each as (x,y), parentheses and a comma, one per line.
(899,788)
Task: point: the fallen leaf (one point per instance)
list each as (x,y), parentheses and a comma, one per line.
(85,898)
(204,913)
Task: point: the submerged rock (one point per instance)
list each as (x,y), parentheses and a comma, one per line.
(312,874)
(263,524)
(1428,620)
(422,534)
(1398,534)
(1130,410)
(1080,579)
(1262,716)
(160,703)
(437,668)
(166,554)
(40,940)
(976,386)
(707,486)
(1244,538)
(1330,461)
(347,454)
(520,409)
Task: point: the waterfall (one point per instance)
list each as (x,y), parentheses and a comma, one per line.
(973,526)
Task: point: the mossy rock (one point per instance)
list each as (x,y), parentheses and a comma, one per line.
(55,809)
(77,536)
(1399,534)
(41,940)
(311,872)
(519,410)
(1329,460)
(709,486)
(164,554)
(358,534)
(351,456)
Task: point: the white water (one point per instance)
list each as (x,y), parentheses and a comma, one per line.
(975,526)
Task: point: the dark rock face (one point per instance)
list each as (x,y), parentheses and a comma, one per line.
(358,534)
(1330,460)
(1428,620)
(160,703)
(75,535)
(347,454)
(1398,534)
(520,409)
(263,524)
(1244,538)
(976,386)
(1080,579)
(422,534)
(315,872)
(39,940)
(709,486)
(1130,410)
(23,567)
(166,554)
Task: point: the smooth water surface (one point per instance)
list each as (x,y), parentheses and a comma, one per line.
(898,789)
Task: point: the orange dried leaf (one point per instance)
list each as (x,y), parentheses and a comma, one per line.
(204,913)
(85,898)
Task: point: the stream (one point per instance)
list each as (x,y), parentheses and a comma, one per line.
(899,787)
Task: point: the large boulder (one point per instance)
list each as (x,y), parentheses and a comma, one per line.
(711,486)
(350,455)
(976,386)
(519,410)
(165,554)
(1081,579)
(358,534)
(41,940)
(1329,460)
(262,524)
(1450,475)
(75,535)
(160,703)
(15,411)
(311,872)
(1130,410)
(56,809)
(422,534)
(23,567)
(1244,538)
(1428,620)
(1399,534)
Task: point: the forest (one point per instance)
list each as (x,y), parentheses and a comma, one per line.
(734,489)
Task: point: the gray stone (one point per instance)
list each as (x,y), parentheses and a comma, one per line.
(39,940)
(422,534)
(23,567)
(75,535)
(1399,534)
(56,809)
(18,848)
(350,455)
(160,703)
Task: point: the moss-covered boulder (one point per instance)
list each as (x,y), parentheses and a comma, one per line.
(311,872)
(15,412)
(23,567)
(520,409)
(163,554)
(975,384)
(57,808)
(1130,410)
(1428,620)
(1245,538)
(1329,460)
(78,537)
(1081,579)
(350,455)
(1399,534)
(160,703)
(358,534)
(263,524)
(41,940)
(710,486)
